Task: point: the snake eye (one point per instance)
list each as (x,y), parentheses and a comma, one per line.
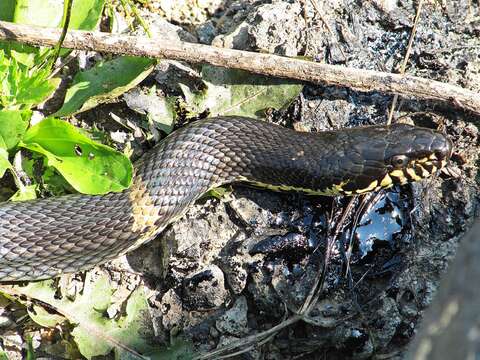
(399,161)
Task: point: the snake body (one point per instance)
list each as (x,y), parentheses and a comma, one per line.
(46,237)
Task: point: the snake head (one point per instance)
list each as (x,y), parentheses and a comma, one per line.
(399,154)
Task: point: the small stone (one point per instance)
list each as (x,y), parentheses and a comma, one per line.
(214,332)
(12,341)
(5,321)
(206,32)
(234,321)
(273,28)
(389,312)
(119,136)
(171,308)
(205,290)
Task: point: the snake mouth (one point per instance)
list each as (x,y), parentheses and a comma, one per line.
(417,170)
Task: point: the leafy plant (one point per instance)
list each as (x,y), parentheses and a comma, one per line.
(25,82)
(88,166)
(23,86)
(94,332)
(237,92)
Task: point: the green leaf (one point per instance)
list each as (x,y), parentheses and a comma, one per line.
(95,333)
(30,350)
(33,87)
(13,124)
(236,92)
(122,331)
(178,349)
(44,318)
(105,81)
(38,12)
(4,163)
(85,13)
(219,192)
(163,112)
(7,10)
(54,182)
(88,166)
(24,54)
(28,192)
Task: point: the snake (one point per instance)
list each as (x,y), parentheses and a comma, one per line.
(47,237)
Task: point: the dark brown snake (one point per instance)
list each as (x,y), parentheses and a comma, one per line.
(46,237)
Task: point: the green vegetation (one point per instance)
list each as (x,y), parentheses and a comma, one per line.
(26,82)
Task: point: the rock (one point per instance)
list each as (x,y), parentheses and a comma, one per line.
(163,30)
(277,28)
(390,321)
(233,260)
(5,322)
(12,345)
(472,76)
(238,39)
(266,300)
(293,286)
(206,32)
(171,308)
(189,12)
(205,290)
(234,321)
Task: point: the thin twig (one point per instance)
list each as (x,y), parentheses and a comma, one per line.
(67,11)
(266,64)
(252,339)
(405,59)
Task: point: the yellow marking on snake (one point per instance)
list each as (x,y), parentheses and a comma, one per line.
(335,189)
(144,213)
(370,187)
(386,181)
(413,174)
(400,176)
(425,173)
(397,173)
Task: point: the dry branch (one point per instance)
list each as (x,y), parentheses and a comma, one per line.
(266,64)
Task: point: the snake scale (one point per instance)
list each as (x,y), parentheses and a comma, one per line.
(46,237)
